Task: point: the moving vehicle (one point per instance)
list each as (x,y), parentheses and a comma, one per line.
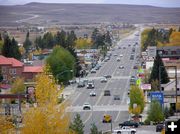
(129,123)
(90,84)
(103,80)
(86,106)
(81,84)
(107,118)
(107,93)
(92,93)
(121,67)
(93,71)
(118,59)
(132,80)
(107,76)
(124,129)
(116,97)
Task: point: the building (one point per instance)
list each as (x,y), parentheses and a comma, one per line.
(12,68)
(169,52)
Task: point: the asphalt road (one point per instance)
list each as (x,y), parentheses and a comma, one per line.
(118,85)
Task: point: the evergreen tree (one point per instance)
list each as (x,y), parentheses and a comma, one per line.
(108,38)
(179,29)
(15,49)
(94,129)
(158,64)
(155,112)
(6,51)
(0,37)
(94,35)
(77,125)
(27,43)
(61,38)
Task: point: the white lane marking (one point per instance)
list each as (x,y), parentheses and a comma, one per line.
(76,98)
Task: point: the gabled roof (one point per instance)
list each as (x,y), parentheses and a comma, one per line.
(33,69)
(10,61)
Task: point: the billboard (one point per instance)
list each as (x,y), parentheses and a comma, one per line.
(146,86)
(159,96)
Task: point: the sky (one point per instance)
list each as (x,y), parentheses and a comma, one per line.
(159,3)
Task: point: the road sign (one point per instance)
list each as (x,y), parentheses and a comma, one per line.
(159,96)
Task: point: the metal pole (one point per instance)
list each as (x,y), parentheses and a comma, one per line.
(111,125)
(160,78)
(176,83)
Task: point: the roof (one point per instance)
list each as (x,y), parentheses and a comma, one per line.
(10,61)
(33,69)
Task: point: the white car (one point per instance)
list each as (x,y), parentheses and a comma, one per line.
(86,106)
(121,67)
(92,93)
(118,59)
(93,71)
(103,80)
(115,54)
(124,130)
(121,55)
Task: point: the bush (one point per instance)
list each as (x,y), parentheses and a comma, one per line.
(147,122)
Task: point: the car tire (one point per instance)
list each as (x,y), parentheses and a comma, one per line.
(133,132)
(118,132)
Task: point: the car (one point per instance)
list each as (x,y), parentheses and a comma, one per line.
(119,47)
(72,82)
(132,57)
(129,123)
(159,127)
(81,84)
(93,71)
(103,80)
(115,54)
(107,118)
(118,59)
(124,47)
(86,106)
(121,67)
(132,80)
(90,84)
(107,76)
(107,93)
(92,93)
(116,97)
(121,55)
(135,67)
(124,130)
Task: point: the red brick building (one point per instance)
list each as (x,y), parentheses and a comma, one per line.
(12,68)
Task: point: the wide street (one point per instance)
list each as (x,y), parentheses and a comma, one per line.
(118,85)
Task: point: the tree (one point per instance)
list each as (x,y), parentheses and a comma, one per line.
(108,38)
(15,49)
(166,112)
(18,86)
(0,37)
(47,117)
(61,60)
(155,112)
(137,102)
(94,35)
(94,129)
(155,85)
(27,43)
(5,124)
(61,38)
(158,64)
(77,125)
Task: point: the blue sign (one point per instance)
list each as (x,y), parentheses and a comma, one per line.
(157,96)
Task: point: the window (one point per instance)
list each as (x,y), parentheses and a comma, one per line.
(10,71)
(14,71)
(3,69)
(4,77)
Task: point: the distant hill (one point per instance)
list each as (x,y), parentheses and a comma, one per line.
(42,14)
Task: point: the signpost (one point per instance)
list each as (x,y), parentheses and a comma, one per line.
(159,96)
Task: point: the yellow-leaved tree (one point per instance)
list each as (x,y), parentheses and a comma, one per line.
(48,117)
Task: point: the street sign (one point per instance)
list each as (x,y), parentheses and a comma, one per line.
(146,86)
(138,81)
(159,96)
(152,51)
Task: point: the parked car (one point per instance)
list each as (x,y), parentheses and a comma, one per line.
(93,71)
(92,93)
(118,59)
(86,106)
(135,67)
(107,93)
(103,80)
(159,127)
(107,118)
(124,130)
(129,123)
